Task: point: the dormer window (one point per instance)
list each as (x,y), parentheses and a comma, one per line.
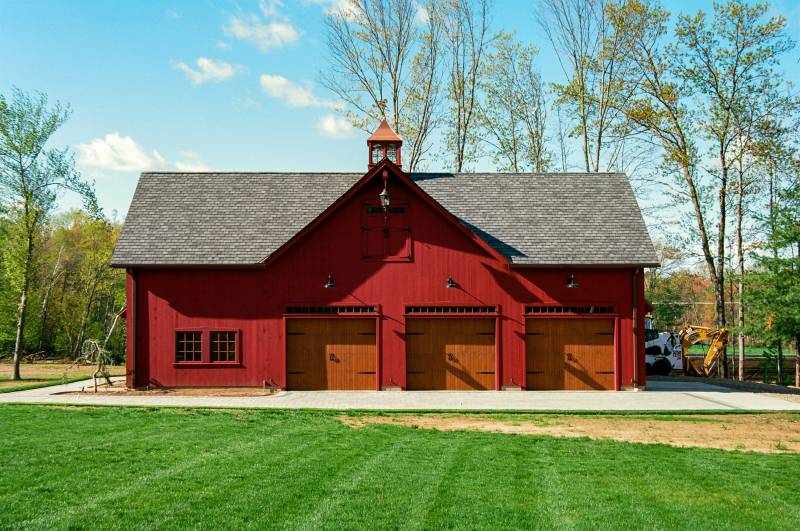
(391,152)
(377,153)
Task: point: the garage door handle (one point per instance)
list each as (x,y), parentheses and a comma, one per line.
(332,357)
(570,357)
(450,357)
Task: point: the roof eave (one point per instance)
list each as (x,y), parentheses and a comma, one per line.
(603,265)
(172,265)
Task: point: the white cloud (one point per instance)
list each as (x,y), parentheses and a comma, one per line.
(222,45)
(118,153)
(269,30)
(339,8)
(191,166)
(208,70)
(335,126)
(421,15)
(192,161)
(293,94)
(270,8)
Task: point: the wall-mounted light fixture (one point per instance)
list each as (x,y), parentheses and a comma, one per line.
(571,281)
(384,195)
(385,199)
(329,283)
(450,283)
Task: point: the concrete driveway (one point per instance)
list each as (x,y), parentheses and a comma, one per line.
(660,396)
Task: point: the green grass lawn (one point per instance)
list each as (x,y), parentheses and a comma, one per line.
(748,351)
(136,468)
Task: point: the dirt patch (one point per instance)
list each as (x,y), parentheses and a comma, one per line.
(769,433)
(43,370)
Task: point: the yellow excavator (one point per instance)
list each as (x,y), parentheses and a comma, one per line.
(716,338)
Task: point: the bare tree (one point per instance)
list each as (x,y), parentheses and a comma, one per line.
(563,146)
(387,51)
(466,24)
(594,56)
(514,107)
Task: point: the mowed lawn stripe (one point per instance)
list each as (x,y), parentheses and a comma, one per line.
(234,481)
(603,487)
(279,469)
(438,464)
(167,481)
(280,488)
(353,483)
(110,460)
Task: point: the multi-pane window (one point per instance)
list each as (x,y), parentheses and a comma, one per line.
(223,346)
(377,153)
(204,346)
(391,152)
(188,346)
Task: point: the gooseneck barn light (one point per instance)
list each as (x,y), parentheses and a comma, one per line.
(450,283)
(329,283)
(571,281)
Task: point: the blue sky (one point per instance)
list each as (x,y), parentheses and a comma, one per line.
(141,100)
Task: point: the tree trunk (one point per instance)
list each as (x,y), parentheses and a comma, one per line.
(23,307)
(797,361)
(740,283)
(46,301)
(720,280)
(585,126)
(20,337)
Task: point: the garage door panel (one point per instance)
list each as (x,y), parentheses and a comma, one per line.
(330,354)
(450,354)
(544,362)
(570,353)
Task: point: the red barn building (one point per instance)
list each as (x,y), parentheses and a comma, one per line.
(385,279)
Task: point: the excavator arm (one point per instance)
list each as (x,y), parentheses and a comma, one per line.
(716,338)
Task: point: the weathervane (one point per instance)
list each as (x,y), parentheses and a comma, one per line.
(381,104)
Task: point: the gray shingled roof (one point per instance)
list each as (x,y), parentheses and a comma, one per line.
(549,219)
(242,218)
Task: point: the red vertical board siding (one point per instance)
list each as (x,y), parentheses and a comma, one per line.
(253,301)
(129,320)
(642,374)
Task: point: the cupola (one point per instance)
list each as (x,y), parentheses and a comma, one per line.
(384,143)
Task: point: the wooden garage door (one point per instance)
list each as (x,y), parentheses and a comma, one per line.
(450,353)
(569,353)
(330,354)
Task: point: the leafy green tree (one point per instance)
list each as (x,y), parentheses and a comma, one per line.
(693,92)
(31,177)
(774,294)
(728,60)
